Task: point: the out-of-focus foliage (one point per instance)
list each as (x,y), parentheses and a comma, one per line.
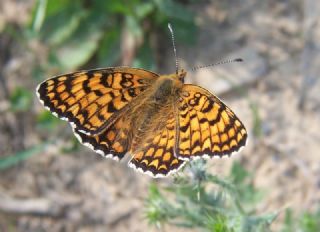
(209,202)
(47,121)
(78,31)
(306,222)
(21,99)
(7,162)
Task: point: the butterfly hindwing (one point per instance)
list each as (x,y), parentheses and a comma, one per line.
(156,157)
(206,126)
(90,100)
(113,143)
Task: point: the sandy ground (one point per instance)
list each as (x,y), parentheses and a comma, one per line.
(82,191)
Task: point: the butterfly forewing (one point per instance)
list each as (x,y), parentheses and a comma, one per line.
(92,100)
(206,126)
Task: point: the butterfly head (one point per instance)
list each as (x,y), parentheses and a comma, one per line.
(181,74)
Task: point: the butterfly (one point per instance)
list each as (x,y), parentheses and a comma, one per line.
(157,119)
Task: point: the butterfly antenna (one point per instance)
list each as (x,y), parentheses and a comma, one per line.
(174,48)
(221,62)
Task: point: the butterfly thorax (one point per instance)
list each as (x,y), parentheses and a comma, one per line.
(151,115)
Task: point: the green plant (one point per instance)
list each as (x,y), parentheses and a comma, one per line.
(77,32)
(306,222)
(20,100)
(13,159)
(202,200)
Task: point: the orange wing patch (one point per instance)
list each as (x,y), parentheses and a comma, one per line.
(206,126)
(156,157)
(113,143)
(90,100)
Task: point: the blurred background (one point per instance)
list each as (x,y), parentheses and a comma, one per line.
(49,182)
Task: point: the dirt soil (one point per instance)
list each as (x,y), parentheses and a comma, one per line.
(82,191)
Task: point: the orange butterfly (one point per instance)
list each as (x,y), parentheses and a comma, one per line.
(157,119)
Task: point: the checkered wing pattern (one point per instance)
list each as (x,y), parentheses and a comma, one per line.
(114,142)
(156,157)
(206,126)
(92,100)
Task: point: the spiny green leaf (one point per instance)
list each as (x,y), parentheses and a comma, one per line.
(238,173)
(217,224)
(195,204)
